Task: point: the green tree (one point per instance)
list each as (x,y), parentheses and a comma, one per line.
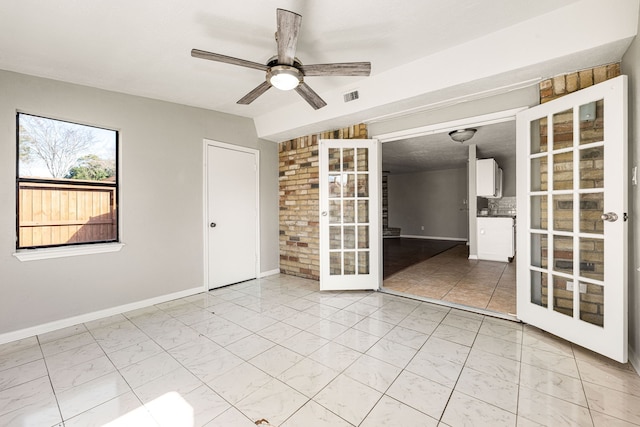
(92,167)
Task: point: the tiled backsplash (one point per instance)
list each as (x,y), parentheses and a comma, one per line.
(502,206)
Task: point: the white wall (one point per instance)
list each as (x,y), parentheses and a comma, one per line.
(631,67)
(433,200)
(161,202)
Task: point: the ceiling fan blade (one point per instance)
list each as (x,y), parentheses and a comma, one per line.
(196,53)
(287,35)
(310,96)
(251,96)
(338,69)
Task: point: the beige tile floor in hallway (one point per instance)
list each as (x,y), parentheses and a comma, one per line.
(278,349)
(451,276)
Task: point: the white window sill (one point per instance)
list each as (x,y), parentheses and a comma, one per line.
(66,251)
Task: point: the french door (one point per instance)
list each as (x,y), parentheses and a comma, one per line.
(349,214)
(572,217)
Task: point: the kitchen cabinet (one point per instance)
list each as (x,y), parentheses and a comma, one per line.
(496,238)
(488,178)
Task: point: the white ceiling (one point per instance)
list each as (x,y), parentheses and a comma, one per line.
(142,47)
(438,151)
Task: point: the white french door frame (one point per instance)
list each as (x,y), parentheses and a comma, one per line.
(475,121)
(205,198)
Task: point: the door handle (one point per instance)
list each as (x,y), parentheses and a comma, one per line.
(609,216)
(212,225)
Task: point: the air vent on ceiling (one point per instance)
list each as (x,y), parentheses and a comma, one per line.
(351,96)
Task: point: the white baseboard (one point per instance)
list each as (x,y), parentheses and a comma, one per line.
(82,318)
(634,359)
(456,239)
(269,273)
(473,257)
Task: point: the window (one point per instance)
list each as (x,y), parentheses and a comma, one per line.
(66,183)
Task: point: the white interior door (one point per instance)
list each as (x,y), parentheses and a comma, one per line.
(572,211)
(232,215)
(349,214)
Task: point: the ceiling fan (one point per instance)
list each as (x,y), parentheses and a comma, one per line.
(284,70)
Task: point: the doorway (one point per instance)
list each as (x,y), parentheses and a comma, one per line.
(231,214)
(429,250)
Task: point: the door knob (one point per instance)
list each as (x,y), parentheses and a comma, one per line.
(212,225)
(609,216)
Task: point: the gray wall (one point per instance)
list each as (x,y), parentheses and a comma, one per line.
(432,199)
(161,202)
(631,67)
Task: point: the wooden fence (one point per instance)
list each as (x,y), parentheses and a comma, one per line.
(56,213)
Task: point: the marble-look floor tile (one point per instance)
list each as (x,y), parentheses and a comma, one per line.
(389,412)
(554,384)
(464,410)
(453,352)
(435,368)
(502,329)
(374,327)
(494,366)
(231,417)
(335,356)
(279,332)
(462,322)
(419,324)
(275,401)
(357,340)
(180,381)
(411,389)
(497,392)
(149,369)
(308,376)
(391,352)
(547,410)
(66,343)
(276,360)
(221,362)
(134,354)
(199,350)
(604,420)
(75,356)
(349,399)
(239,382)
(251,346)
(72,376)
(552,361)
(327,329)
(454,334)
(499,347)
(91,394)
(195,408)
(408,337)
(304,343)
(44,412)
(62,333)
(25,394)
(315,415)
(623,380)
(22,374)
(118,336)
(124,410)
(14,346)
(540,340)
(613,403)
(373,372)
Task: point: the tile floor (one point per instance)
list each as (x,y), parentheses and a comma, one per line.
(451,276)
(277,349)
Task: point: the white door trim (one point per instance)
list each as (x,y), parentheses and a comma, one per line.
(205,204)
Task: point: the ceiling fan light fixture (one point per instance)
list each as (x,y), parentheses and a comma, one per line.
(284,77)
(462,135)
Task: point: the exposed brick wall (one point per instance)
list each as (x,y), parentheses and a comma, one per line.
(299,201)
(591,176)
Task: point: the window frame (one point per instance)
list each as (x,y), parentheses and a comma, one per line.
(26,253)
